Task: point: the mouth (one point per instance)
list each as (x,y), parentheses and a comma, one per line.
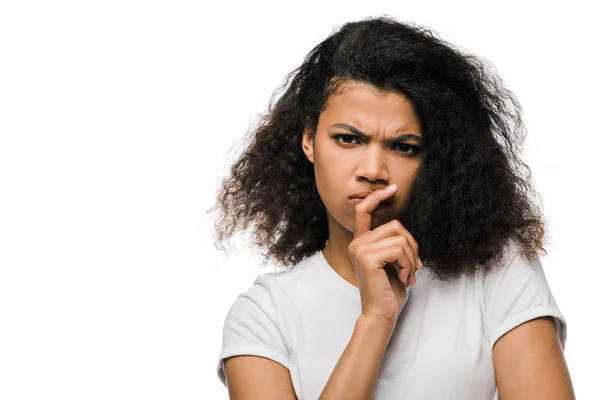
(355,200)
(384,204)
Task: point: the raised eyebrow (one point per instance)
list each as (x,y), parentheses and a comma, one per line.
(362,135)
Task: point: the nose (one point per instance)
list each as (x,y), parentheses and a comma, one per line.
(372,166)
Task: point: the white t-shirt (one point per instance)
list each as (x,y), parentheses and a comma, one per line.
(441,348)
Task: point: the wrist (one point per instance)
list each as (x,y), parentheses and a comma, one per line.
(376,324)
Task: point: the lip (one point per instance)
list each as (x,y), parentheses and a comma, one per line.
(382,205)
(359,195)
(356,200)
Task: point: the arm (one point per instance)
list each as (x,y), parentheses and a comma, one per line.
(529,363)
(259,378)
(355,373)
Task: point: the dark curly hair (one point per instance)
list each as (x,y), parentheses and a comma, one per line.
(472,195)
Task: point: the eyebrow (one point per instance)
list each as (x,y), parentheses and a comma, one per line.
(362,135)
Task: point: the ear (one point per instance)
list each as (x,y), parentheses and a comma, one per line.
(308,146)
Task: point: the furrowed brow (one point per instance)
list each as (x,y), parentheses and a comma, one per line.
(362,135)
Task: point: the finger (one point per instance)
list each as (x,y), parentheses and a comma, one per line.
(408,255)
(393,275)
(407,259)
(395,257)
(404,265)
(398,229)
(403,273)
(412,278)
(387,251)
(412,242)
(363,210)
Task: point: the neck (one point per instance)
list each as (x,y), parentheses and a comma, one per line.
(336,255)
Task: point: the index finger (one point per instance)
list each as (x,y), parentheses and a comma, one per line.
(363,210)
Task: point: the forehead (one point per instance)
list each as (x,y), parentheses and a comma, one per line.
(350,91)
(364,104)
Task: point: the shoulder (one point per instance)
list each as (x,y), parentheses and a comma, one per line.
(512,268)
(516,291)
(269,290)
(292,279)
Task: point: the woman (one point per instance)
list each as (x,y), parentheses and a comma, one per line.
(386,104)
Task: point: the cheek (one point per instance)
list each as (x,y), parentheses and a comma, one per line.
(331,191)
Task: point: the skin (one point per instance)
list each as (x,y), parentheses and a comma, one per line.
(529,363)
(528,360)
(347,165)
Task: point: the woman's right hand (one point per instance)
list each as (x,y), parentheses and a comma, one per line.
(385,260)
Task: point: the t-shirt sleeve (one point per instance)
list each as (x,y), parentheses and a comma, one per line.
(515,293)
(251,328)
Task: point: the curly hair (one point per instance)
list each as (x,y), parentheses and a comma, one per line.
(472,195)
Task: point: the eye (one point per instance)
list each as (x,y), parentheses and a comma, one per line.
(410,149)
(352,137)
(415,149)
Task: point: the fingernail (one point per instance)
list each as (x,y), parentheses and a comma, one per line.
(391,187)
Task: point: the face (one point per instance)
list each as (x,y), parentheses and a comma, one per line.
(346,164)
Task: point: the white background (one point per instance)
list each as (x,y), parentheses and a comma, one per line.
(115,122)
